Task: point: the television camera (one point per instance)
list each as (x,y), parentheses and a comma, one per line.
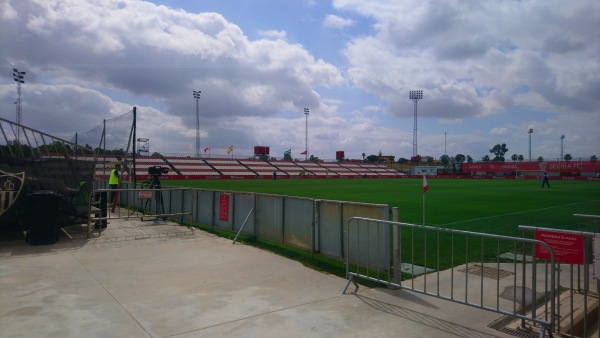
(154,183)
(157,170)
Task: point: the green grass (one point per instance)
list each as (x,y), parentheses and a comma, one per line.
(488,206)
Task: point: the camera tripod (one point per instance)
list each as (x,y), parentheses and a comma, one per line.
(154,183)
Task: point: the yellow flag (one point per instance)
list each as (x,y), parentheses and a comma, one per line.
(229,150)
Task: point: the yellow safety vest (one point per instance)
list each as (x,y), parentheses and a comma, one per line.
(114,179)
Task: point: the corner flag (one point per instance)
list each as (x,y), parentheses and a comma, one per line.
(425,185)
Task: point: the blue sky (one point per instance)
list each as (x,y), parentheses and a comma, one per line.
(489,71)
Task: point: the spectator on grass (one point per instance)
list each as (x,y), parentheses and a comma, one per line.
(545,181)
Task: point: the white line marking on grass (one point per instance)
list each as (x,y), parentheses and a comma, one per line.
(517,213)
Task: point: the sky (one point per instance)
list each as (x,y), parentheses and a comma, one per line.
(489,72)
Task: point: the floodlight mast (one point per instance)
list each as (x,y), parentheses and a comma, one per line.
(306,111)
(530,131)
(19,77)
(562,137)
(415,95)
(197,97)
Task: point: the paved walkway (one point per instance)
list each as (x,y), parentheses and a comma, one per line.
(141,279)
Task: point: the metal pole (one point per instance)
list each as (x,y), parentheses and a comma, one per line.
(306,111)
(530,131)
(19,78)
(415,95)
(134,152)
(197,97)
(562,137)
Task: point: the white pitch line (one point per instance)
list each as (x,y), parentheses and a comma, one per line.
(517,213)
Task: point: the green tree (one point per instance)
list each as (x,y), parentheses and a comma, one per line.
(593,158)
(287,155)
(486,158)
(514,157)
(521,158)
(568,157)
(460,158)
(540,159)
(372,158)
(469,159)
(445,160)
(499,150)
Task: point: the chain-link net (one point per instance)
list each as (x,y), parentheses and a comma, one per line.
(112,141)
(112,136)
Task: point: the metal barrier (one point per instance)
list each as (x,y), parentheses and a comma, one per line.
(309,224)
(140,203)
(486,271)
(577,304)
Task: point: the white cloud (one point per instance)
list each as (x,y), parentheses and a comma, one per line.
(483,66)
(499,131)
(334,21)
(273,34)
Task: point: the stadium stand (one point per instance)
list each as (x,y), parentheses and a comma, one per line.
(363,172)
(316,169)
(230,168)
(193,168)
(381,170)
(289,168)
(262,168)
(339,170)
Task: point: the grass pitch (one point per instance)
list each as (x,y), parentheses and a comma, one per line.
(489,206)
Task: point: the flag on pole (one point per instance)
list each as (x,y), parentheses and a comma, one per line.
(425,185)
(206,149)
(303,153)
(229,150)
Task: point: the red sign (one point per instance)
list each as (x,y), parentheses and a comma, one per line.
(145,194)
(224,207)
(568,248)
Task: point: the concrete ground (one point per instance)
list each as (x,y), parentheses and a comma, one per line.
(145,279)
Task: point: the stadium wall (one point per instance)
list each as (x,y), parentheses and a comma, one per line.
(309,224)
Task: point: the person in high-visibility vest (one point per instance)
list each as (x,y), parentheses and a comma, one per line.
(113,181)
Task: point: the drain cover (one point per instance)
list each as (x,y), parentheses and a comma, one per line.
(487,271)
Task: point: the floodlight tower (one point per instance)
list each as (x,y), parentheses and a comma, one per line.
(530,131)
(306,111)
(197,97)
(415,95)
(19,77)
(562,137)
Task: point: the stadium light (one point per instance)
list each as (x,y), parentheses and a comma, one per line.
(415,95)
(562,137)
(306,111)
(530,131)
(19,77)
(197,97)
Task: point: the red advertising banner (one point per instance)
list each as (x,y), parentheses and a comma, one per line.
(551,166)
(224,207)
(568,248)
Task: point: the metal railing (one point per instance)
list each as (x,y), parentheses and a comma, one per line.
(486,271)
(578,300)
(142,203)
